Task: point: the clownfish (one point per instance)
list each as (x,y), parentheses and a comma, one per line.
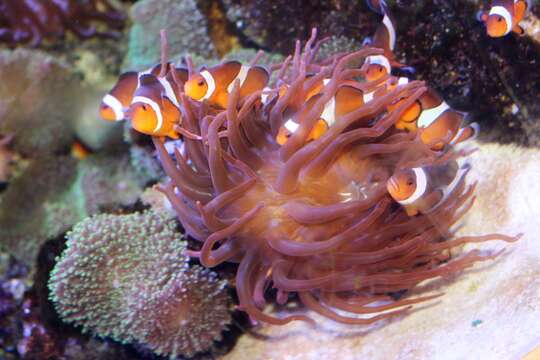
(215,84)
(346,99)
(504,16)
(377,66)
(422,189)
(115,103)
(155,109)
(440,124)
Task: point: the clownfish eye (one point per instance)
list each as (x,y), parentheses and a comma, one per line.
(144,107)
(200,82)
(410,182)
(381,69)
(499,19)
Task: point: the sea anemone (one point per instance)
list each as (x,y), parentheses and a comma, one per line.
(314,217)
(30,21)
(127,277)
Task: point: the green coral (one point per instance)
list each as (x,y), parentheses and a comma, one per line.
(39,98)
(127,277)
(54,193)
(186,31)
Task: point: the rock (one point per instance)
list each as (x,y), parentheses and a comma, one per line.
(39,98)
(186,31)
(488,312)
(54,193)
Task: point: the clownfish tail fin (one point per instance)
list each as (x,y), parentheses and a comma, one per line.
(377,6)
(469,132)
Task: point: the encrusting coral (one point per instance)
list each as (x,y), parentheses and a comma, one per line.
(313,216)
(127,277)
(31,21)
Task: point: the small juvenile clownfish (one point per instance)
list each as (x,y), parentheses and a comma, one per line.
(422,189)
(346,99)
(377,66)
(504,17)
(440,124)
(155,109)
(116,101)
(215,84)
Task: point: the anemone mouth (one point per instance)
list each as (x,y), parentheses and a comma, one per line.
(313,217)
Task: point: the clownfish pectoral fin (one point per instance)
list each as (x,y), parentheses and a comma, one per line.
(411,210)
(518,30)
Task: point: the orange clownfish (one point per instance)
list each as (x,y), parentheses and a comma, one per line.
(347,99)
(377,66)
(155,109)
(422,189)
(440,123)
(504,17)
(215,84)
(115,102)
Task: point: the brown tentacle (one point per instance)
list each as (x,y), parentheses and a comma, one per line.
(310,214)
(218,170)
(202,181)
(187,188)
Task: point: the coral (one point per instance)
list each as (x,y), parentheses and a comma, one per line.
(145,163)
(314,218)
(39,97)
(186,28)
(30,21)
(147,292)
(54,193)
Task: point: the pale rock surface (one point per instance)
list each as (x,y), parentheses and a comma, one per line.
(488,312)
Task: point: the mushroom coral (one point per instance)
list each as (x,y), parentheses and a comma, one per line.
(314,217)
(31,21)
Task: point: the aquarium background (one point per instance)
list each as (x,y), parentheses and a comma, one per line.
(79,197)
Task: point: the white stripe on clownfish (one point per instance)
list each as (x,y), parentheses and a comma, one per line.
(154,106)
(380,60)
(115,105)
(403,80)
(428,116)
(210,83)
(502,11)
(264,94)
(169,92)
(368,96)
(291,125)
(329,112)
(242,75)
(421,186)
(391,32)
(141,74)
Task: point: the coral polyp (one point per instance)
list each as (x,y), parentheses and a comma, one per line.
(313,216)
(127,277)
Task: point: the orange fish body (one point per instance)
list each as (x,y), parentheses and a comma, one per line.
(346,99)
(216,83)
(422,189)
(504,17)
(115,102)
(154,109)
(377,66)
(440,124)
